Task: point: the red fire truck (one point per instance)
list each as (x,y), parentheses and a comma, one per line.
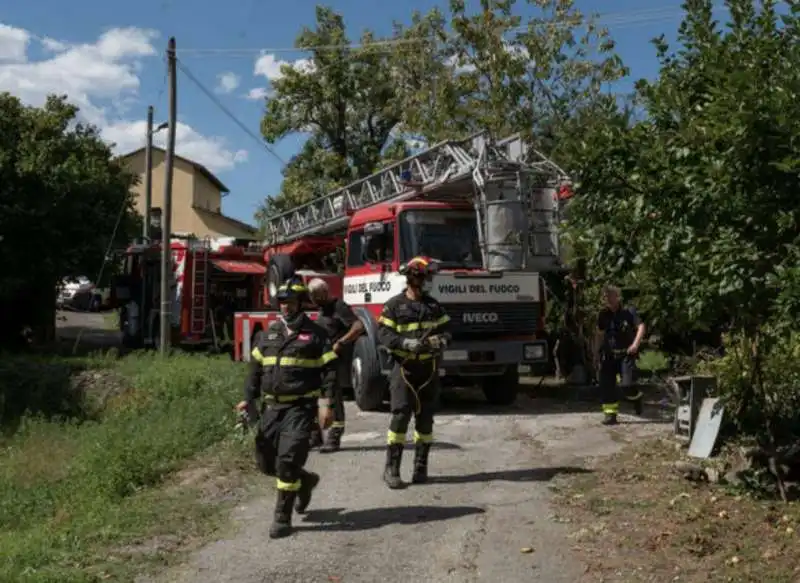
(211,280)
(486,210)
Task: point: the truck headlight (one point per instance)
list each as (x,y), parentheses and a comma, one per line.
(533,352)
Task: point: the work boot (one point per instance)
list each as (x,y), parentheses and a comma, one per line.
(420,475)
(333,441)
(282,522)
(391,474)
(316,436)
(610,419)
(308,481)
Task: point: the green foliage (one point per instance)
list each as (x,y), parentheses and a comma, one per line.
(69,490)
(693,202)
(698,198)
(446,75)
(495,70)
(652,361)
(61,194)
(344,99)
(759,380)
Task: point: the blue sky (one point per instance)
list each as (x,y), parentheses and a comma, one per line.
(116,80)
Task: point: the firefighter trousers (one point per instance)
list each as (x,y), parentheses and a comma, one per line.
(283,442)
(342,383)
(617,380)
(414,392)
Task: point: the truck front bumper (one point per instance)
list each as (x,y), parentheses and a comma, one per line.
(491,358)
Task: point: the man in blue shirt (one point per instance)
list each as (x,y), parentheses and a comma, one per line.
(619,335)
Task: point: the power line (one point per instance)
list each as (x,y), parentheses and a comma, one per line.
(633,18)
(228,112)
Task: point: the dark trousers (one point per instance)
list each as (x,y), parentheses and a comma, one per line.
(414,392)
(283,442)
(342,383)
(612,389)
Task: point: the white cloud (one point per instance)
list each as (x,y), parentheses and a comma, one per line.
(227,82)
(53,45)
(267,65)
(210,152)
(13,44)
(257,93)
(459,64)
(102,78)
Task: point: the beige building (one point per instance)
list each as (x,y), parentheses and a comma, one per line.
(196,196)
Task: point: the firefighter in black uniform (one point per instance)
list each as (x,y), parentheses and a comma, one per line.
(619,334)
(343,328)
(414,328)
(291,368)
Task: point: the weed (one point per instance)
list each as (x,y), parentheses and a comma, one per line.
(77,472)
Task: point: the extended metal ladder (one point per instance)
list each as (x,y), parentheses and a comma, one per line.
(450,170)
(199,289)
(446,163)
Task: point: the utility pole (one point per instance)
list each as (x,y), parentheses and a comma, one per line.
(148,175)
(166,226)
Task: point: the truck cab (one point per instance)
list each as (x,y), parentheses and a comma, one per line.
(496,317)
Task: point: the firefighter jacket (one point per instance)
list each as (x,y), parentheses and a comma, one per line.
(403,318)
(291,363)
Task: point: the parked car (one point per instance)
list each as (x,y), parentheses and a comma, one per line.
(82,295)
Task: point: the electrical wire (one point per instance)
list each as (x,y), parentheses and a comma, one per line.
(210,94)
(617,19)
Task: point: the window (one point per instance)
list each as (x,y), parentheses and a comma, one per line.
(449,236)
(355,254)
(378,246)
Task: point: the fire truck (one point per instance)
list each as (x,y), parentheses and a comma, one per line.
(212,279)
(486,210)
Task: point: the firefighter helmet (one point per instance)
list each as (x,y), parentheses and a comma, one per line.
(420,267)
(292,289)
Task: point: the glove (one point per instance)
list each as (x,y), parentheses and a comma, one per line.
(437,342)
(412,345)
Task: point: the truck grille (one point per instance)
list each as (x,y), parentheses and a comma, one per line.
(470,321)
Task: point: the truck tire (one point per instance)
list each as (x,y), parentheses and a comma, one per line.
(281,268)
(502,390)
(369,385)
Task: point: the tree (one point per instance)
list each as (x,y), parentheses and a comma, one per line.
(696,204)
(61,195)
(345,99)
(493,70)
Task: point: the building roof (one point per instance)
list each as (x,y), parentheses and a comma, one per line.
(205,172)
(225,218)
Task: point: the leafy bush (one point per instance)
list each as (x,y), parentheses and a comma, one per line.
(759,381)
(66,486)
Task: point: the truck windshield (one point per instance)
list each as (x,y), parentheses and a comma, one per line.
(449,236)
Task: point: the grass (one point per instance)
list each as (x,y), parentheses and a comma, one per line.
(637,519)
(93,483)
(652,361)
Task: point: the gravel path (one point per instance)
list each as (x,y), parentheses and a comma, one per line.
(487,502)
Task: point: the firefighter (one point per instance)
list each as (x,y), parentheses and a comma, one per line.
(291,368)
(414,328)
(619,335)
(343,328)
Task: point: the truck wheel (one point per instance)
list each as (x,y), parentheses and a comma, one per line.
(281,268)
(369,385)
(502,390)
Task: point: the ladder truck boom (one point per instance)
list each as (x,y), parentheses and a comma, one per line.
(437,172)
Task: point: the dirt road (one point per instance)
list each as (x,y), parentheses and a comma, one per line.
(488,501)
(91,330)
